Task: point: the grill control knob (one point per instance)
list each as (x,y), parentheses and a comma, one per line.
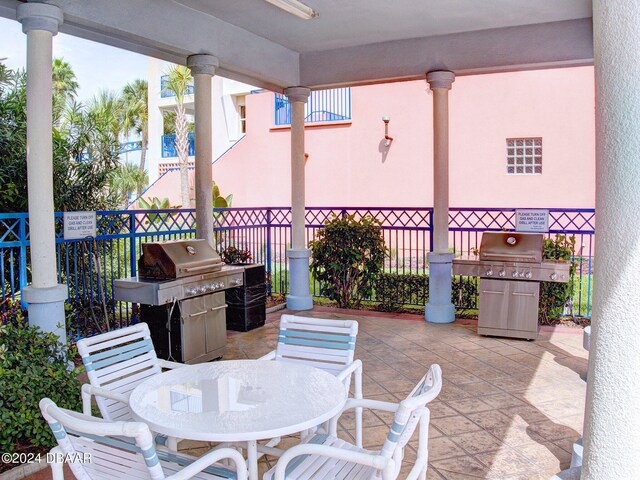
(489,273)
(190,291)
(553,276)
(528,275)
(514,274)
(502,273)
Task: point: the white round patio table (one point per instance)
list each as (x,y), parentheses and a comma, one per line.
(238,401)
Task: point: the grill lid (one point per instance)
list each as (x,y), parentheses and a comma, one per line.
(512,247)
(177,259)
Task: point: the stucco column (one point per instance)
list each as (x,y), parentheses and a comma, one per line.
(612,420)
(203,68)
(440,309)
(299,297)
(45,296)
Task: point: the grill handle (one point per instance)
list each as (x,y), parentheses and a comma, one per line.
(510,255)
(493,291)
(212,309)
(201,267)
(519,294)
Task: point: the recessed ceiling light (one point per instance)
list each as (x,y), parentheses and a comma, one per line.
(295,7)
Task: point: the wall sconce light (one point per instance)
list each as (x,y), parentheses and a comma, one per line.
(387,138)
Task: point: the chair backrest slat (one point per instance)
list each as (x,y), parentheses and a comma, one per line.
(118,361)
(405,419)
(118,450)
(322,343)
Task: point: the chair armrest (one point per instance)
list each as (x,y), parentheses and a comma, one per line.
(360,403)
(349,369)
(369,459)
(88,391)
(370,404)
(269,356)
(210,458)
(165,364)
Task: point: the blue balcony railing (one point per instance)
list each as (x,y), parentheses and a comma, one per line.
(323,106)
(169,145)
(266,232)
(165,93)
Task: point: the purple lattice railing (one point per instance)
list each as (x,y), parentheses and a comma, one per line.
(266,232)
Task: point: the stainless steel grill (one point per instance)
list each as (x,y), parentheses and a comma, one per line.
(180,289)
(510,267)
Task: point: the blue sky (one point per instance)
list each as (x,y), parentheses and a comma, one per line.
(96,66)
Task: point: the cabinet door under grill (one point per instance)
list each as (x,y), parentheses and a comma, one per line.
(215,323)
(494,304)
(523,307)
(193,329)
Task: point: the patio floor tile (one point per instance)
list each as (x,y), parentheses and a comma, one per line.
(508,410)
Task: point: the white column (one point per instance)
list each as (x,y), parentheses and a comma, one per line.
(45,296)
(440,309)
(612,423)
(299,297)
(203,68)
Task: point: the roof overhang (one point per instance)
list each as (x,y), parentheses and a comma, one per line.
(174,29)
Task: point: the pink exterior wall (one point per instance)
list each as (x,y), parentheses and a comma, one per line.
(348,164)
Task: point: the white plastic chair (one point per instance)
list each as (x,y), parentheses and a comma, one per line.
(98,449)
(116,362)
(325,344)
(326,457)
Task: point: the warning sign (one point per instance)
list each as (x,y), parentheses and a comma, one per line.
(78,225)
(532,221)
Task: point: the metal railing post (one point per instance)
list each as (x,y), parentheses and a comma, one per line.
(268,252)
(22,267)
(133,263)
(431,229)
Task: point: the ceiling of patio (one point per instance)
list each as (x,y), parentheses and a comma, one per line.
(351,42)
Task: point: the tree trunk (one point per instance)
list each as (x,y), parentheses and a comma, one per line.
(182,147)
(143,157)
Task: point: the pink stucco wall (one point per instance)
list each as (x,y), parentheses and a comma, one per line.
(349,165)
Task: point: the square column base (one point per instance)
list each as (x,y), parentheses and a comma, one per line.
(299,297)
(46,309)
(440,309)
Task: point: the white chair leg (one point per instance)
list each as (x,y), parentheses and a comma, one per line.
(57,468)
(172,444)
(358,395)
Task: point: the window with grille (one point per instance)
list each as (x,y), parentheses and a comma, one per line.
(524,156)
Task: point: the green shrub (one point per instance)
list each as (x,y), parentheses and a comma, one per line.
(394,290)
(233,255)
(33,365)
(554,295)
(347,257)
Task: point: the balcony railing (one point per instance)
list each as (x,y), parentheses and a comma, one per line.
(323,106)
(266,232)
(169,145)
(166,93)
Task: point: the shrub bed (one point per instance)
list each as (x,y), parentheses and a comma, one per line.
(33,365)
(396,289)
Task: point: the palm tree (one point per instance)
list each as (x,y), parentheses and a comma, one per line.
(65,86)
(106,110)
(178,81)
(127,179)
(136,113)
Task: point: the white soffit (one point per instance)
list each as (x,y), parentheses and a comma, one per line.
(352,41)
